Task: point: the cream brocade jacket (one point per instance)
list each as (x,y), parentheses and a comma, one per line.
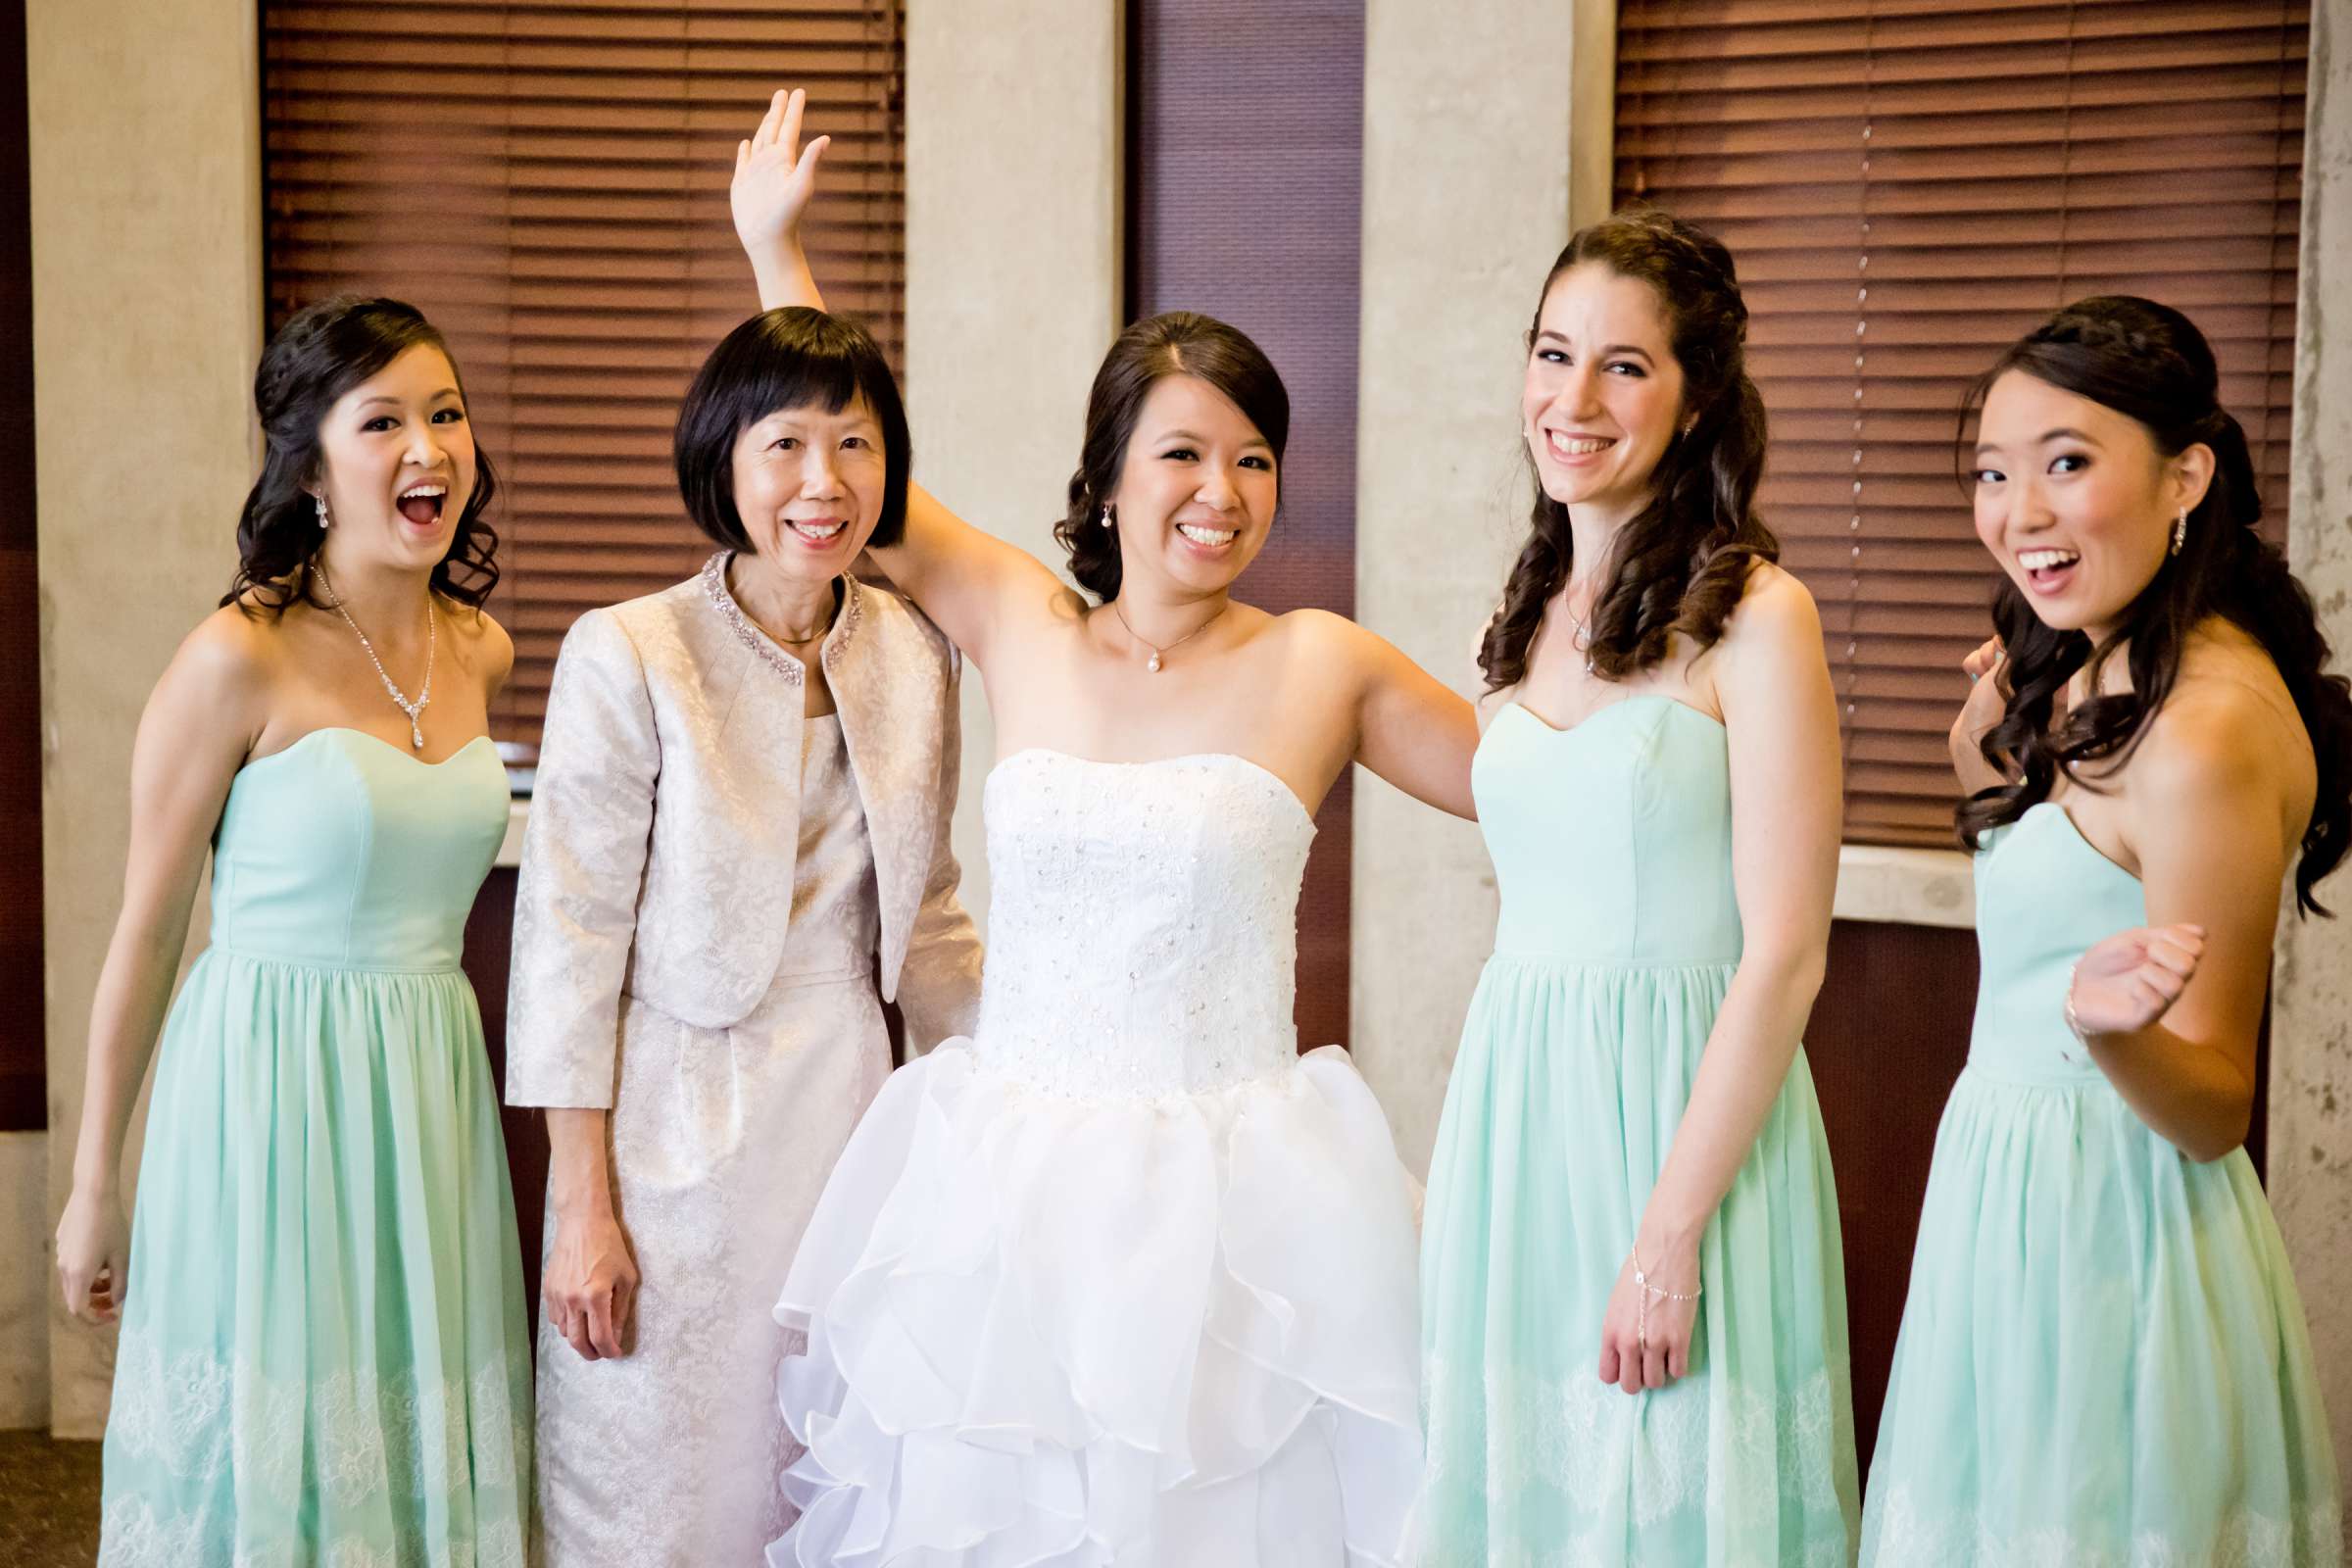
(665,824)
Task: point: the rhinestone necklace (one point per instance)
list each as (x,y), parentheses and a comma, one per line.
(400,698)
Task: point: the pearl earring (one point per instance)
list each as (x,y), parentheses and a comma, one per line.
(2179,530)
(1105,513)
(321,502)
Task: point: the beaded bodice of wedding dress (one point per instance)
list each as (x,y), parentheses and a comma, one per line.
(1142,923)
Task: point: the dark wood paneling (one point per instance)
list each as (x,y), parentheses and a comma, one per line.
(1244,201)
(24,1075)
(489,944)
(1887,1037)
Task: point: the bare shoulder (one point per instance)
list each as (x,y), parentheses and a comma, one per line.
(1775,607)
(234,653)
(1327,633)
(227,667)
(2228,710)
(2220,746)
(1772,639)
(483,643)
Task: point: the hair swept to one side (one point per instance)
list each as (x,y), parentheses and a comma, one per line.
(2149,362)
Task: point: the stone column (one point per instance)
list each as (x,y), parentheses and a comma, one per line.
(147,310)
(1474,161)
(2311,1016)
(1014,262)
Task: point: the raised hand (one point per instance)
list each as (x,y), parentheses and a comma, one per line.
(775,176)
(2130,980)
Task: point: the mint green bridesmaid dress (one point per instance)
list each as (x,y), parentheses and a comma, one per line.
(2103,1362)
(322,1355)
(1618,939)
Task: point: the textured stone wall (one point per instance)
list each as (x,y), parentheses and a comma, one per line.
(2311,1027)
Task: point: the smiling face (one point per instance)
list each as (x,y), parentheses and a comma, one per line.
(2074,500)
(1197,491)
(395,462)
(1604,394)
(808,486)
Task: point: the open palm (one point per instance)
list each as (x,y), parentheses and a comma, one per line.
(775,176)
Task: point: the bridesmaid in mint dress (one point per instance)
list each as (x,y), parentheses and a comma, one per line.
(2103,1362)
(322,1357)
(1633,1301)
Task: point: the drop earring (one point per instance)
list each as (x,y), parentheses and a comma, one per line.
(321,503)
(1105,513)
(2179,530)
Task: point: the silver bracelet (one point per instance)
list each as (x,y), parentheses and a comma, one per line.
(1641,1301)
(2074,1024)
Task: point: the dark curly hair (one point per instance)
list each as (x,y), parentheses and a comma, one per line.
(788,357)
(1176,343)
(2151,362)
(323,352)
(1681,563)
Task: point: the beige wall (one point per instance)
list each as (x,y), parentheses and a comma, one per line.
(1470,158)
(2310,1028)
(1014,246)
(146,279)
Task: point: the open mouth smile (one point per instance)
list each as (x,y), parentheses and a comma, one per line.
(2048,571)
(421,502)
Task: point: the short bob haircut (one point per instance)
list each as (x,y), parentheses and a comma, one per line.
(791,358)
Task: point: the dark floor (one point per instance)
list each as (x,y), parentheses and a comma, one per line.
(48,1501)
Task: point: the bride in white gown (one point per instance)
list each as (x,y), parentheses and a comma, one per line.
(1123,1279)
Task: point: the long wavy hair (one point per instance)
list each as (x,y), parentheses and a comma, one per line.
(2149,361)
(1683,563)
(323,351)
(1173,343)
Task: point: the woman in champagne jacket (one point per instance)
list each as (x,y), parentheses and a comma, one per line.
(739,824)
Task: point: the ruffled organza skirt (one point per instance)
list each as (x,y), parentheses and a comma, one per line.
(1151,1332)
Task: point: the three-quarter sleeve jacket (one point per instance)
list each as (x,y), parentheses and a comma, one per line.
(666,822)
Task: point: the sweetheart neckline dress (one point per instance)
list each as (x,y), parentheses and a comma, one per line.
(324,1355)
(1618,936)
(2103,1362)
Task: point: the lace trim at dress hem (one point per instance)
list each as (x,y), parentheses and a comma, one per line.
(203,1420)
(1899,1534)
(1580,1438)
(132,1535)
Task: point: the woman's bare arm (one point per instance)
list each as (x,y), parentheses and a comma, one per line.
(200,723)
(1779,713)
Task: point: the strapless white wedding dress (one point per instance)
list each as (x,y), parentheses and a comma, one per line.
(1122,1279)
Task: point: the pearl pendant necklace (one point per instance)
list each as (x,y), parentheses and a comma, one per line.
(400,700)
(1151,666)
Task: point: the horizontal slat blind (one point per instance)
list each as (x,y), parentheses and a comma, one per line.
(549,183)
(1908,185)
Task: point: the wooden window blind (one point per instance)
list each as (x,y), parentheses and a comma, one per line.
(548,181)
(1909,184)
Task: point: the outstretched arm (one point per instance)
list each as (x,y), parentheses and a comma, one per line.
(1413,730)
(965,579)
